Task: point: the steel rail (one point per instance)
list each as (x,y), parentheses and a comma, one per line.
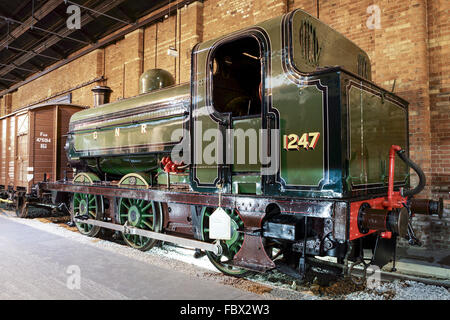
(385,276)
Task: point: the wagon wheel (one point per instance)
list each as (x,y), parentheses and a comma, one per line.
(230,247)
(141,214)
(90,206)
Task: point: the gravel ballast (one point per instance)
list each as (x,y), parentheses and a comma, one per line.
(272,285)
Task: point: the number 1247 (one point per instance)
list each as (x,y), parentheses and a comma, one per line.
(307,141)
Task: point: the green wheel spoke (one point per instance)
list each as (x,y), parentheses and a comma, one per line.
(87,204)
(231,247)
(138,213)
(147,224)
(147,207)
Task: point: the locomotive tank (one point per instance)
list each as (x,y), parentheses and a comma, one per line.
(129,136)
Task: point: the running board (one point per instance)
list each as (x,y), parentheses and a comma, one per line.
(215,248)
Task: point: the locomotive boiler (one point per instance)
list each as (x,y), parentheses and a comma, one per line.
(279,150)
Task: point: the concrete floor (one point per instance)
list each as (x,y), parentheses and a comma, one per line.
(40,265)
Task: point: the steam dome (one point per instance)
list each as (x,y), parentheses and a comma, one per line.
(155,79)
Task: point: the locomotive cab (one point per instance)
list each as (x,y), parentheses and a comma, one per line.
(236,93)
(237,78)
(234,80)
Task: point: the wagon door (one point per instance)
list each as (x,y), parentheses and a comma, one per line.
(22,154)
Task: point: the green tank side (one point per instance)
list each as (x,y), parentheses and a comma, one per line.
(315,45)
(129,135)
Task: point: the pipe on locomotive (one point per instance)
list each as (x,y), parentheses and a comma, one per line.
(420,206)
(395,219)
(422,180)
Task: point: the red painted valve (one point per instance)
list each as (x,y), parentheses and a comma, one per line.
(170,166)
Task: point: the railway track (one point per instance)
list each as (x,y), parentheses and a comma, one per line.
(282,282)
(386,276)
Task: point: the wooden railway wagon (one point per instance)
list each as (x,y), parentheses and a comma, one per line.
(32,149)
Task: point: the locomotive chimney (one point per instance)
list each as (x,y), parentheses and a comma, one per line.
(101,95)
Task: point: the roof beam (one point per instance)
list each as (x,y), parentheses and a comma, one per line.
(86,35)
(18,68)
(37,66)
(153,17)
(126,16)
(105,6)
(13,15)
(17,75)
(48,7)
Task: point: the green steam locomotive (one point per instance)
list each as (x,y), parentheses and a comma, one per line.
(279,150)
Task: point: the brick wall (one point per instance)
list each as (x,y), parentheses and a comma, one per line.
(411,47)
(69,76)
(439,99)
(222,17)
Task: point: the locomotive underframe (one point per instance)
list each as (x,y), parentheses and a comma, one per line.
(268,221)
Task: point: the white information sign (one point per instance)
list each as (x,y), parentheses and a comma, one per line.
(220,225)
